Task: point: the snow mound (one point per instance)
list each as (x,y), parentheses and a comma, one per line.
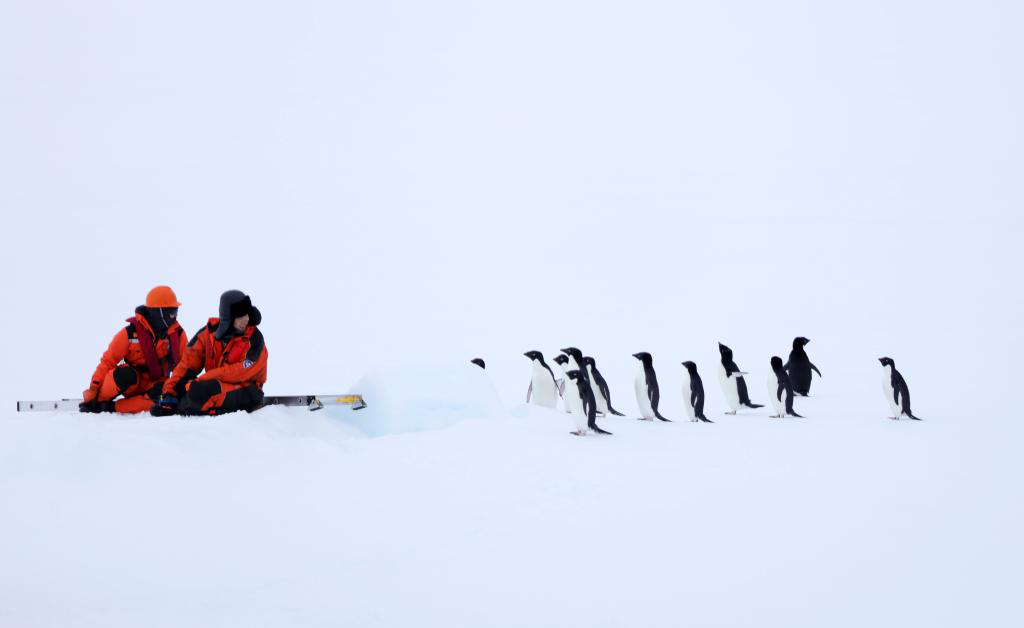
(419,398)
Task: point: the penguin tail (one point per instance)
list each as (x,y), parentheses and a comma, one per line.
(600,431)
(661,418)
(796,415)
(913,417)
(615,412)
(705,419)
(753,405)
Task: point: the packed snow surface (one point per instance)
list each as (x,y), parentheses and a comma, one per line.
(287,517)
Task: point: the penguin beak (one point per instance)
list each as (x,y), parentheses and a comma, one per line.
(881,360)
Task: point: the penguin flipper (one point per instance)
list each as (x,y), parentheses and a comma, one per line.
(815,369)
(529,392)
(741,390)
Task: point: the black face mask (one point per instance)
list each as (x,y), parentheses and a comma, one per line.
(161,318)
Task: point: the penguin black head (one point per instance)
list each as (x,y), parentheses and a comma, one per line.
(887,362)
(725,351)
(589,361)
(479,362)
(561,359)
(776,363)
(575,353)
(799,342)
(643,356)
(690,366)
(573,374)
(534,355)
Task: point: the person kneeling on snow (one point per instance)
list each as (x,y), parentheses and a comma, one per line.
(224,366)
(139,358)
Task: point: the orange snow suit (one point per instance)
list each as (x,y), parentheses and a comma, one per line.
(136,364)
(233,371)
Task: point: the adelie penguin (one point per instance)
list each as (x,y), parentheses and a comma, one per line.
(896,391)
(733,384)
(543,390)
(563,364)
(601,390)
(648,395)
(693,393)
(576,364)
(799,367)
(585,387)
(781,390)
(580,401)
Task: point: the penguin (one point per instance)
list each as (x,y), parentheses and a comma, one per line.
(800,367)
(543,390)
(646,386)
(896,391)
(479,362)
(562,362)
(693,393)
(574,403)
(602,392)
(733,384)
(780,388)
(583,404)
(576,363)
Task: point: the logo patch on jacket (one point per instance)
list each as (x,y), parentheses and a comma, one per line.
(247,363)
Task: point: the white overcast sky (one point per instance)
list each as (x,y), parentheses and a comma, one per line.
(398,180)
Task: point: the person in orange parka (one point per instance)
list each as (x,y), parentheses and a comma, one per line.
(224,366)
(139,358)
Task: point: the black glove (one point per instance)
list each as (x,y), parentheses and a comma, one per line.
(89,406)
(167,406)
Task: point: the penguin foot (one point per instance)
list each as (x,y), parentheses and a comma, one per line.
(579,433)
(733,413)
(894,418)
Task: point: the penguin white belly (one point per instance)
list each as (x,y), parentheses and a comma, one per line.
(564,384)
(574,405)
(687,396)
(544,392)
(888,391)
(730,387)
(602,403)
(779,405)
(642,400)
